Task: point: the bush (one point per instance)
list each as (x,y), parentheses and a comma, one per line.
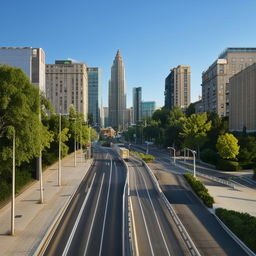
(146,158)
(246,165)
(242,225)
(200,189)
(228,165)
(254,173)
(209,156)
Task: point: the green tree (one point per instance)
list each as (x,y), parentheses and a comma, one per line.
(227,146)
(194,130)
(190,110)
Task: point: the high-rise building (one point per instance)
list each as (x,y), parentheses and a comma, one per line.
(148,108)
(30,60)
(66,85)
(94,95)
(117,94)
(215,79)
(137,104)
(242,88)
(177,87)
(105,117)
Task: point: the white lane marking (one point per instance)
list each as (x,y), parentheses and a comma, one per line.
(106,207)
(78,219)
(155,214)
(144,219)
(96,207)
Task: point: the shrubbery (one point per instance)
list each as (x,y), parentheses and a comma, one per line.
(209,156)
(200,189)
(146,158)
(242,225)
(254,173)
(228,165)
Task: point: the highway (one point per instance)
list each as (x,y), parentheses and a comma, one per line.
(92,223)
(154,231)
(208,236)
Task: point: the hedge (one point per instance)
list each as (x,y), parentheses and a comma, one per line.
(228,165)
(147,158)
(209,156)
(200,189)
(254,173)
(243,225)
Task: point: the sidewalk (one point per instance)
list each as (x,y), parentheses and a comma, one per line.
(33,219)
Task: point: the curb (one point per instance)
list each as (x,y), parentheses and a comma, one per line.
(50,231)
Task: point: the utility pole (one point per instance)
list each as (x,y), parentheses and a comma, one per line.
(59,169)
(13,185)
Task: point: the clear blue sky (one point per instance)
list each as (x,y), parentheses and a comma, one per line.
(153,36)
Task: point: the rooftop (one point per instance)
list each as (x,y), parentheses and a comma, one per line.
(236,49)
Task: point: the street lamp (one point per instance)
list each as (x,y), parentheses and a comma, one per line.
(13,185)
(174,154)
(74,141)
(194,160)
(59,169)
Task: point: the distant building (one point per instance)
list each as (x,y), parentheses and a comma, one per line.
(30,60)
(148,108)
(242,88)
(137,91)
(215,79)
(177,87)
(94,95)
(129,117)
(66,85)
(117,94)
(108,132)
(105,117)
(199,108)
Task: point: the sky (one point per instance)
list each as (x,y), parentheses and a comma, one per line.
(153,36)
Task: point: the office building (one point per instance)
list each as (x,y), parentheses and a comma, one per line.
(199,106)
(117,94)
(215,92)
(137,104)
(66,85)
(94,95)
(148,108)
(105,117)
(242,88)
(30,60)
(177,87)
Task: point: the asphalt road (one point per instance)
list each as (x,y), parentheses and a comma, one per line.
(209,237)
(92,224)
(154,231)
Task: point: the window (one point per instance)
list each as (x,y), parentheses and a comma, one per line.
(242,59)
(233,59)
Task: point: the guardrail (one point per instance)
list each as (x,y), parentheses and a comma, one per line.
(190,244)
(210,177)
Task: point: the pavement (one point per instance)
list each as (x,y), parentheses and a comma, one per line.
(32,219)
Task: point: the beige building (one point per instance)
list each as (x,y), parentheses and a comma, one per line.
(215,79)
(177,87)
(242,88)
(66,85)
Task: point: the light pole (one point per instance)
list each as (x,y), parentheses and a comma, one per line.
(13,185)
(81,148)
(59,169)
(194,160)
(174,154)
(40,162)
(74,119)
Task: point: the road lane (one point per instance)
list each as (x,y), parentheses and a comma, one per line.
(153,225)
(97,207)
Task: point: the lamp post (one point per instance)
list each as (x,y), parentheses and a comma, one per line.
(81,148)
(74,119)
(194,160)
(40,162)
(174,154)
(13,185)
(59,169)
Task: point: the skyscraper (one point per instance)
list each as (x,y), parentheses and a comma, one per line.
(94,95)
(137,104)
(177,87)
(30,60)
(117,94)
(67,84)
(148,108)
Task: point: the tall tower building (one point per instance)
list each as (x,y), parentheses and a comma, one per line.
(215,91)
(94,95)
(30,60)
(117,94)
(177,87)
(148,108)
(67,84)
(137,91)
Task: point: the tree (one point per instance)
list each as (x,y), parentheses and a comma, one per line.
(190,110)
(227,146)
(194,130)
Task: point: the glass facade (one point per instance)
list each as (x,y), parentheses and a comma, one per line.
(94,95)
(148,108)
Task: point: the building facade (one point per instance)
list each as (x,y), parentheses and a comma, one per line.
(117,94)
(66,85)
(94,95)
(105,117)
(137,91)
(177,87)
(215,91)
(242,87)
(30,60)
(148,108)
